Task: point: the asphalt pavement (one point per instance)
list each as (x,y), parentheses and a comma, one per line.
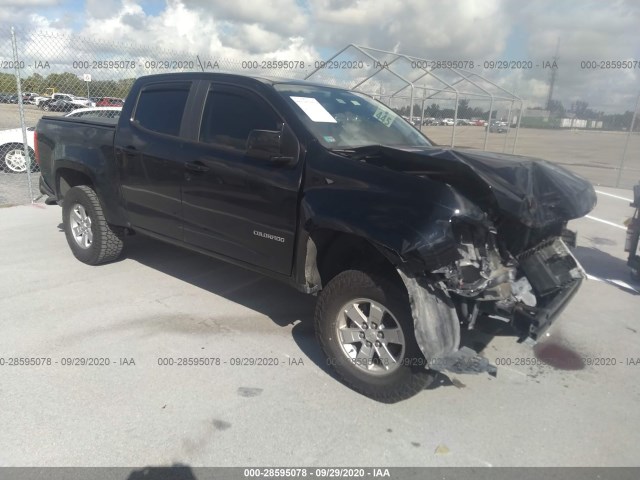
(570,401)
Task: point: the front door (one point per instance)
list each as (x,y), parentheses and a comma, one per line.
(235,205)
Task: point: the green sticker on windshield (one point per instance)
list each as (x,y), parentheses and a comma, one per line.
(384,117)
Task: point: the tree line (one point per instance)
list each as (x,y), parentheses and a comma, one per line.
(67,83)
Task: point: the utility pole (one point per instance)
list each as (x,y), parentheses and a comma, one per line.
(552,81)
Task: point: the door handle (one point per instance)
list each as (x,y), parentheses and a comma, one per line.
(196,167)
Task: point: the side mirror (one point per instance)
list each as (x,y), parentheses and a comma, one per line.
(636,196)
(263,144)
(276,146)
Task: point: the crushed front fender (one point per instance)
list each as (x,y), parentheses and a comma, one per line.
(436,324)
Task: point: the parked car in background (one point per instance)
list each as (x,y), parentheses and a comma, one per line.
(12,158)
(37,100)
(447,121)
(109,102)
(84,101)
(8,98)
(29,97)
(58,105)
(96,112)
(497,127)
(478,122)
(78,101)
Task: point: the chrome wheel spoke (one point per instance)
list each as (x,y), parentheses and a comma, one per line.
(355,314)
(386,359)
(393,335)
(365,356)
(76,215)
(350,335)
(15,161)
(375,314)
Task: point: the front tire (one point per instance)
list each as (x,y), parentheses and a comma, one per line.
(364,325)
(90,237)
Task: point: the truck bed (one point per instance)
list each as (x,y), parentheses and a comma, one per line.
(81,144)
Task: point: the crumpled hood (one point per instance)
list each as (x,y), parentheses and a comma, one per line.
(535,192)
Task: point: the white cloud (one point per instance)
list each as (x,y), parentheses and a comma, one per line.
(299,29)
(285,17)
(426,29)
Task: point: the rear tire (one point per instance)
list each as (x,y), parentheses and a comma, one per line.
(369,354)
(91,239)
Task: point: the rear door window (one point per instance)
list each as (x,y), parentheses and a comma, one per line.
(160,107)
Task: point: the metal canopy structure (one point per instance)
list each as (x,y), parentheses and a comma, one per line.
(392,76)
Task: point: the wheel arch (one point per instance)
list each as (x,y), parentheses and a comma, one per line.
(71,175)
(329,252)
(436,323)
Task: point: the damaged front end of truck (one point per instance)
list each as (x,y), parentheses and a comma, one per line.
(528,289)
(510,261)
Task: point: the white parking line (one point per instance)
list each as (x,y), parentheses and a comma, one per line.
(614,196)
(605,222)
(619,283)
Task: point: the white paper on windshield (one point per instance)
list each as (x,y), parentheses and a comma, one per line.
(314,110)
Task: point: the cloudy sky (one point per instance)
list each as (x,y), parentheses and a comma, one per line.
(311,30)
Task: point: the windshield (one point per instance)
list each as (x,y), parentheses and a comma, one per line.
(341,119)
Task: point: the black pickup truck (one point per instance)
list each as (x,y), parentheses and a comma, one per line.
(405,243)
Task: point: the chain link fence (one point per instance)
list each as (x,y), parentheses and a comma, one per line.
(50,73)
(56,73)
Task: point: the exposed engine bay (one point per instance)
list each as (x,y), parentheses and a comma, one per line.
(489,279)
(528,290)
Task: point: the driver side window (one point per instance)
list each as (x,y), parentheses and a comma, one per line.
(229,117)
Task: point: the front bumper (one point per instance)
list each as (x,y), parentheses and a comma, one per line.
(555,275)
(532,322)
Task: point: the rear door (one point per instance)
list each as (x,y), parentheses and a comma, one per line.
(151,157)
(235,205)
